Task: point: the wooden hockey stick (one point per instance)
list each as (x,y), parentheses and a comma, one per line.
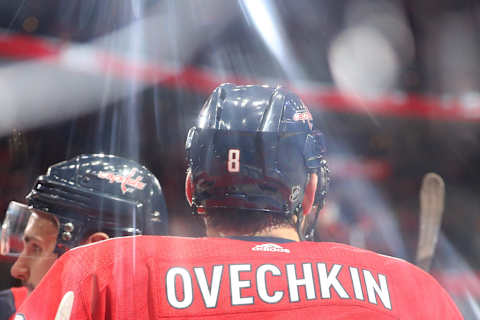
(432,199)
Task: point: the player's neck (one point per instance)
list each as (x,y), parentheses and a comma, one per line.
(280,232)
(288,233)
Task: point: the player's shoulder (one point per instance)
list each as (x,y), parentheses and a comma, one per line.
(351,252)
(99,258)
(112,249)
(358,256)
(117,244)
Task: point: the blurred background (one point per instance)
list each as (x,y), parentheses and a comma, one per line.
(394,85)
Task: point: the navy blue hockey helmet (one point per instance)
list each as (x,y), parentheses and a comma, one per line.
(253,149)
(92,193)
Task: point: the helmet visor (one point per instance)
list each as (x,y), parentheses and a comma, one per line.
(13,227)
(23,222)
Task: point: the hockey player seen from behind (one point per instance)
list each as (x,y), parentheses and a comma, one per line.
(256,170)
(79,201)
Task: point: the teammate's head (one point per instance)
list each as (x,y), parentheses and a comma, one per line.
(254,160)
(82,200)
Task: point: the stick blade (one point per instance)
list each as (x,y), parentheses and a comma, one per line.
(432,202)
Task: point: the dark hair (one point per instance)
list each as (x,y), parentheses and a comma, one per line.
(245,222)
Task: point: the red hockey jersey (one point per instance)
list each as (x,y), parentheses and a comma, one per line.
(150,277)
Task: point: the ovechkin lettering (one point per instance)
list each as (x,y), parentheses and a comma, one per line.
(317,281)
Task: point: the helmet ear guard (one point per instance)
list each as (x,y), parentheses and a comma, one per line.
(192,140)
(323,183)
(314,152)
(189,191)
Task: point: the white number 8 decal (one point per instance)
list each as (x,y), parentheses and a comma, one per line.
(233,163)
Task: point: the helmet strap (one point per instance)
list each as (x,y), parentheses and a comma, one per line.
(194,208)
(300,217)
(310,229)
(70,234)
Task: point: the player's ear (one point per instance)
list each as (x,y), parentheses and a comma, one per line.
(189,187)
(309,193)
(97,236)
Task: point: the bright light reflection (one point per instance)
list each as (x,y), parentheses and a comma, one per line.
(363,62)
(264,16)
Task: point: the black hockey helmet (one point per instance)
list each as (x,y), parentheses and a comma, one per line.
(253,149)
(96,192)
